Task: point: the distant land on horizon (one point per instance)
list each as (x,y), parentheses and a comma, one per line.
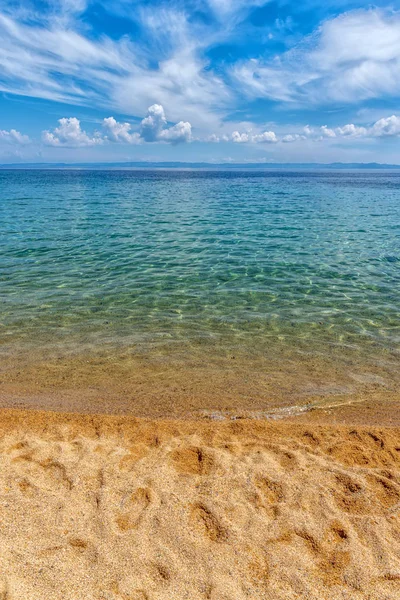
(197,165)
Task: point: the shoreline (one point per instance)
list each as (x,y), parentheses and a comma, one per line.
(183,387)
(375,408)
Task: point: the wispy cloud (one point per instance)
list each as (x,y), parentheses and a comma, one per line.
(350,58)
(55,61)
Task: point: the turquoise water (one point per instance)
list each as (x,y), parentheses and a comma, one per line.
(222,260)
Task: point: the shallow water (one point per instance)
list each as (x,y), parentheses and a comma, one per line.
(203,265)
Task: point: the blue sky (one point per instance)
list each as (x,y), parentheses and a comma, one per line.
(201,80)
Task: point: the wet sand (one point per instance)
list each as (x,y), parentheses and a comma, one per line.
(120,508)
(188,385)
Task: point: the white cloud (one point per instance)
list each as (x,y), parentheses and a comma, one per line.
(69,134)
(120,132)
(240,138)
(153,128)
(14,137)
(181,132)
(327,132)
(152,125)
(215,139)
(224,8)
(268,137)
(52,55)
(292,137)
(57,61)
(352,130)
(350,58)
(386,127)
(318,132)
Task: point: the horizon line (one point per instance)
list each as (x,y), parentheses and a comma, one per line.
(197,165)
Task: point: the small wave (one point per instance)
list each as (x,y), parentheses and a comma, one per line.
(272,414)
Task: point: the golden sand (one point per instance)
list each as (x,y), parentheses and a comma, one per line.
(119,508)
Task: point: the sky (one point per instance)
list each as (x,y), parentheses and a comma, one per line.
(199,80)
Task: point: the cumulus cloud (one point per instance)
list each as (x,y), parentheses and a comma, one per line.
(181,132)
(351,130)
(215,139)
(69,134)
(292,137)
(327,132)
(120,132)
(318,132)
(152,125)
(14,137)
(386,127)
(153,128)
(268,137)
(240,138)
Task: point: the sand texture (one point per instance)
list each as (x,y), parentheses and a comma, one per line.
(114,508)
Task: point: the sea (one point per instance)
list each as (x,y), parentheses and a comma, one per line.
(272,287)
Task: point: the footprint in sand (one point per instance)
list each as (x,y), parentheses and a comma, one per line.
(207,523)
(287,459)
(46,472)
(269,494)
(387,493)
(349,494)
(331,555)
(136,506)
(78,544)
(26,487)
(160,573)
(57,472)
(192,460)
(272,491)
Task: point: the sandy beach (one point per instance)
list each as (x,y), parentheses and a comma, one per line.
(109,508)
